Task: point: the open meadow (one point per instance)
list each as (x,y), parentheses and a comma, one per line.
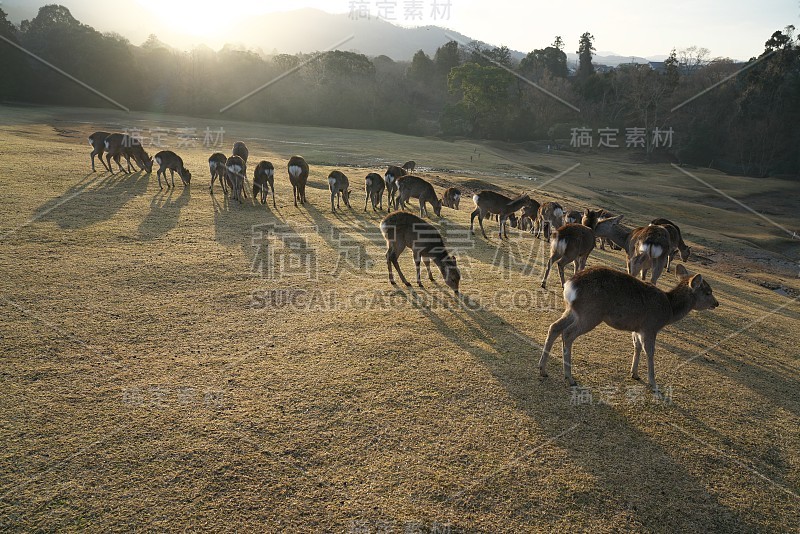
(172,360)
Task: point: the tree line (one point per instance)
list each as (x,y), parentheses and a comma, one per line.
(738,120)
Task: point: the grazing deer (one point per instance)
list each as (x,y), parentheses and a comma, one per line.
(392,174)
(410,186)
(572,217)
(298,176)
(373,187)
(591,217)
(340,188)
(97,140)
(404,230)
(216,164)
(409,166)
(548,219)
(240,149)
(119,145)
(602,295)
(490,202)
(572,243)
(530,211)
(675,237)
(646,247)
(167,159)
(264,181)
(451,198)
(234,174)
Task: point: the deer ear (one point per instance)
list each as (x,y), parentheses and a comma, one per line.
(681,272)
(586,212)
(696,281)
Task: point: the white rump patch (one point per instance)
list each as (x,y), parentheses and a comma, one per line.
(295,170)
(558,212)
(560,246)
(570,292)
(656,251)
(369,181)
(90,142)
(106,143)
(475,199)
(270,173)
(331,181)
(236,169)
(157,159)
(457,196)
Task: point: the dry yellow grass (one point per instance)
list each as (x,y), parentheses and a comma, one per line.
(144,386)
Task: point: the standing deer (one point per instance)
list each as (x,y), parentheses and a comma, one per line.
(451,198)
(298,176)
(676,239)
(216,164)
(409,166)
(410,186)
(572,217)
(234,174)
(602,295)
(373,187)
(98,147)
(264,181)
(392,174)
(548,219)
(489,202)
(591,217)
(167,159)
(340,187)
(527,218)
(646,247)
(240,149)
(572,243)
(404,230)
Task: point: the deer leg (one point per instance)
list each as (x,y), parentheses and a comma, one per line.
(570,334)
(552,333)
(422,210)
(502,220)
(481,215)
(658,267)
(649,343)
(172,174)
(637,351)
(428,266)
(158,173)
(472,220)
(560,265)
(547,271)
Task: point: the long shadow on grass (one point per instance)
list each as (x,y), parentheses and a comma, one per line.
(165,212)
(94,201)
(637,477)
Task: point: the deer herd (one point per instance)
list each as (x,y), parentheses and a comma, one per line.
(592,296)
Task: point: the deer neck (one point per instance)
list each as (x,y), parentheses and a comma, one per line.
(620,235)
(681,301)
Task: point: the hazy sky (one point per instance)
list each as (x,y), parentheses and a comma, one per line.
(732,28)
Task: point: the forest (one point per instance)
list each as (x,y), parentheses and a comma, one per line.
(737,117)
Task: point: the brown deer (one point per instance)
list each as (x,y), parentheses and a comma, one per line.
(411,186)
(98,147)
(340,187)
(298,176)
(675,237)
(490,202)
(264,181)
(646,247)
(409,166)
(404,230)
(167,159)
(572,243)
(548,219)
(392,174)
(528,216)
(216,164)
(373,187)
(234,174)
(572,217)
(591,217)
(451,198)
(119,145)
(240,149)
(602,295)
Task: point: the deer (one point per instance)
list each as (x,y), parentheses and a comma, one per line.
(167,159)
(572,243)
(340,188)
(451,198)
(373,187)
(528,216)
(405,230)
(216,164)
(234,175)
(590,219)
(410,186)
(548,219)
(392,174)
(675,237)
(119,145)
(298,176)
(96,140)
(264,181)
(646,247)
(240,149)
(602,295)
(409,166)
(490,202)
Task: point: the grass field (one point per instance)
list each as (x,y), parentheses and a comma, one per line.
(173,361)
